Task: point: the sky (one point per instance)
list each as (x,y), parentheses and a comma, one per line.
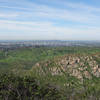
(49,19)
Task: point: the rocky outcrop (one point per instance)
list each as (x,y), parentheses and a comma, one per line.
(77,66)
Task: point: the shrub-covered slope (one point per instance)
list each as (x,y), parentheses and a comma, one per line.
(64,73)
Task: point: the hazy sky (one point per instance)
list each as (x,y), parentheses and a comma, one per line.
(50,19)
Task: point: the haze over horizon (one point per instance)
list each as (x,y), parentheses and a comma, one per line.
(49,20)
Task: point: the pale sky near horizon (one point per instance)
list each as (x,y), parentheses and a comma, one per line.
(49,19)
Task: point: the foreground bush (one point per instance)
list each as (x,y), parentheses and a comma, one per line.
(28,88)
(25,88)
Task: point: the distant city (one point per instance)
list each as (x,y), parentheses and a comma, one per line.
(33,43)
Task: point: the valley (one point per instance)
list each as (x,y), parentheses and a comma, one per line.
(73,72)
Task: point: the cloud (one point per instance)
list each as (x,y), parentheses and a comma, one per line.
(18,20)
(47,30)
(81,6)
(44,11)
(3,15)
(20,8)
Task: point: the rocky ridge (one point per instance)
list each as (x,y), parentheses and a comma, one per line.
(79,66)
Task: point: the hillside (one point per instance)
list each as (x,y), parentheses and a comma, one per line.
(79,66)
(70,73)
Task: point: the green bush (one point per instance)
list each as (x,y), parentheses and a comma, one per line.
(25,88)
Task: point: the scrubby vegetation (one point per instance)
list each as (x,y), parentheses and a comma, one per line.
(28,88)
(50,73)
(25,88)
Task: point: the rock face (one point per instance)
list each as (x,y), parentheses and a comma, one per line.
(87,74)
(77,66)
